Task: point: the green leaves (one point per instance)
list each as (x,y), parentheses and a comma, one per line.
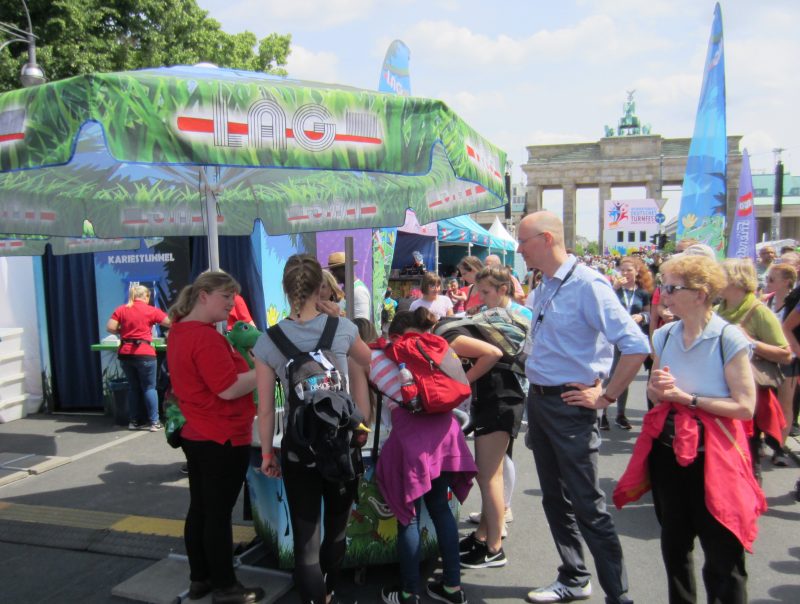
(84,36)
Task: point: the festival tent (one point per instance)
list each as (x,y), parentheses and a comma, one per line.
(202,151)
(460,236)
(499,232)
(414,237)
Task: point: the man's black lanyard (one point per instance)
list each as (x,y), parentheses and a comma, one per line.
(548,302)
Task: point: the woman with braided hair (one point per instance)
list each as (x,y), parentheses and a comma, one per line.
(316,565)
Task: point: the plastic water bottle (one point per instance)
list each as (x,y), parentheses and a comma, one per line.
(406,377)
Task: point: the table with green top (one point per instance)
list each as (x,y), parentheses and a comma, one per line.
(159,344)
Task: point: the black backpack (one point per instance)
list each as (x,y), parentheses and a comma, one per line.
(320,416)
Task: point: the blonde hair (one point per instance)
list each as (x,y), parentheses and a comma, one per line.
(330,281)
(699,273)
(785,270)
(209,281)
(302,278)
(741,273)
(138,292)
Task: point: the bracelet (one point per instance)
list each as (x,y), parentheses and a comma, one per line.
(695,401)
(267,455)
(610,400)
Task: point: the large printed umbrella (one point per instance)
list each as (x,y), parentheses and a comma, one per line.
(34,245)
(154,152)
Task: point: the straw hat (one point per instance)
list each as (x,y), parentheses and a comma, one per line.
(337,259)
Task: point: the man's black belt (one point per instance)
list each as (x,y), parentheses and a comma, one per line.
(134,342)
(551,390)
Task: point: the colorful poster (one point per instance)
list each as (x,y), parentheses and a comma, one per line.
(629,225)
(743,232)
(164,268)
(704,198)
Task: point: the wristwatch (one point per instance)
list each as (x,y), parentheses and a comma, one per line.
(693,404)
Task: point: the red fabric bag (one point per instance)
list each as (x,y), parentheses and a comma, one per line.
(440,383)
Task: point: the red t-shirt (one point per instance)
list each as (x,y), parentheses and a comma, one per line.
(136,323)
(202,364)
(239,312)
(473,300)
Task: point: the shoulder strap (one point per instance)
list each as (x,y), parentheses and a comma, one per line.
(376,433)
(284,344)
(328,333)
(721,334)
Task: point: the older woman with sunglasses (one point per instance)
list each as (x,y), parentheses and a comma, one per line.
(741,307)
(692,451)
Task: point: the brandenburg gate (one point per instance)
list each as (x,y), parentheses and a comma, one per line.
(623,160)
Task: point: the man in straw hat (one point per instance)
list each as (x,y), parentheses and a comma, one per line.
(361,293)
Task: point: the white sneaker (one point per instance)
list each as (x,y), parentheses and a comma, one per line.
(558,592)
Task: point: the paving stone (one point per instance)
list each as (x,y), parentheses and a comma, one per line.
(167,582)
(36,464)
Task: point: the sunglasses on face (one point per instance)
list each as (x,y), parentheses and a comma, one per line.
(671,289)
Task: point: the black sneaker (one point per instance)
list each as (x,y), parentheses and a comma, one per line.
(481,557)
(438,592)
(622,422)
(199,589)
(237,594)
(469,543)
(394,595)
(604,422)
(795,430)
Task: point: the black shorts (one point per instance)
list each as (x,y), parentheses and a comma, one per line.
(504,415)
(499,403)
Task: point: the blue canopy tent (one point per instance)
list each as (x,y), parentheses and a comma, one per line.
(462,236)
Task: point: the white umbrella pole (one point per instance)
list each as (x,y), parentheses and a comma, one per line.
(212,230)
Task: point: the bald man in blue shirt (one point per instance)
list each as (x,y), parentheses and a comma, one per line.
(577,322)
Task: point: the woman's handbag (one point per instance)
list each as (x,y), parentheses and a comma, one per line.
(766,373)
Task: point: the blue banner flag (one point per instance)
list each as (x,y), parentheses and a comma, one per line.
(742,242)
(395,79)
(395,76)
(704,197)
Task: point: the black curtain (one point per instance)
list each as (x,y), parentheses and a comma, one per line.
(236,257)
(72,320)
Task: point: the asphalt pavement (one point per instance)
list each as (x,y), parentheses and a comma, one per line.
(105,504)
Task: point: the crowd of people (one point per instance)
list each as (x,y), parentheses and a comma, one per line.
(719,341)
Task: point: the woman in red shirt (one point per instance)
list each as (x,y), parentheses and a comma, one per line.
(133,322)
(214,387)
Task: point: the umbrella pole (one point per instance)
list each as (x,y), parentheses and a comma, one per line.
(212,230)
(349,278)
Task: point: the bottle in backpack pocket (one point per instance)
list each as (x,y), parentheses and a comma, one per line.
(408,388)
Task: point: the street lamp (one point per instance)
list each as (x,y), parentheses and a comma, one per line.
(31,74)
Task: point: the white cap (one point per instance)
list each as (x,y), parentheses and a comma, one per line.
(698,249)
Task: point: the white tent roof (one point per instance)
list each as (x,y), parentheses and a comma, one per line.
(498,230)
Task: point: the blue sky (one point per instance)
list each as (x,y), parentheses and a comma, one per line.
(526,72)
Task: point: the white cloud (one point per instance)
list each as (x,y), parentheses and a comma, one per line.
(304,64)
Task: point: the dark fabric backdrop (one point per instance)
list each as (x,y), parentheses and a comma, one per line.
(236,256)
(72,320)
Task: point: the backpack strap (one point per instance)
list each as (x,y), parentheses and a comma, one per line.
(284,344)
(328,333)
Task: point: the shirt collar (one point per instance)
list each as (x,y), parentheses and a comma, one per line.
(562,270)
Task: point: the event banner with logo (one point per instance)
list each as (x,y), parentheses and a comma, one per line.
(742,243)
(629,224)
